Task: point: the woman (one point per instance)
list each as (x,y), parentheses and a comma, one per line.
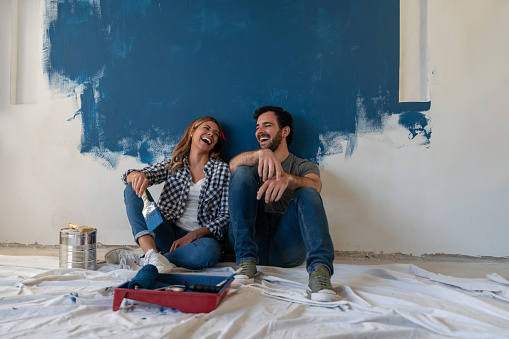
(193,202)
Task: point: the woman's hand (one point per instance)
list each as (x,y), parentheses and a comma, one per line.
(139,182)
(190,237)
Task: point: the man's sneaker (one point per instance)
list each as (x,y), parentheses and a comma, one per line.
(114,256)
(246,276)
(320,285)
(158,260)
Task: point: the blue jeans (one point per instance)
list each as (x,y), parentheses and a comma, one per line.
(201,253)
(284,240)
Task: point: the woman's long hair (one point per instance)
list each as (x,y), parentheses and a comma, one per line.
(184,146)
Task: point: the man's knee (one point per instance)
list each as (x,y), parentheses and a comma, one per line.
(244,173)
(308,194)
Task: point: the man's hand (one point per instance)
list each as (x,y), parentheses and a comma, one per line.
(273,188)
(268,165)
(139,182)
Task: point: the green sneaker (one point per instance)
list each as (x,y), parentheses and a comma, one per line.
(246,276)
(320,285)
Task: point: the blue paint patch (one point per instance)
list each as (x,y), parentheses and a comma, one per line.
(165,310)
(143,70)
(70,297)
(417,124)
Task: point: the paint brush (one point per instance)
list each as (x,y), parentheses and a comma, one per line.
(151,213)
(229,278)
(82,229)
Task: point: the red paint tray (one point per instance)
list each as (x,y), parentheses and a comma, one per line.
(187,302)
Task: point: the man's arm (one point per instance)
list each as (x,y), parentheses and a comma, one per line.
(309,180)
(249,158)
(266,161)
(274,189)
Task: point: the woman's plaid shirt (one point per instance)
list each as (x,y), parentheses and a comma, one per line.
(213,201)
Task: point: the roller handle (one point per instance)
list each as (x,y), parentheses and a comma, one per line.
(202,288)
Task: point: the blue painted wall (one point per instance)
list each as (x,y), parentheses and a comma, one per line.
(146,69)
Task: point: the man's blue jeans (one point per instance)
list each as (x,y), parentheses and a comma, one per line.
(284,240)
(201,253)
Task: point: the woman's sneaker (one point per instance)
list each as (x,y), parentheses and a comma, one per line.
(134,259)
(320,285)
(246,276)
(158,260)
(114,256)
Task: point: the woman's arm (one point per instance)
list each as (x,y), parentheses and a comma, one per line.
(154,175)
(219,225)
(190,237)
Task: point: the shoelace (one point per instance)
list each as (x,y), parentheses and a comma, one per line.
(152,259)
(245,268)
(133,257)
(322,280)
(123,264)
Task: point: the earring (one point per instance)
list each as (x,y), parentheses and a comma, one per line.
(191,135)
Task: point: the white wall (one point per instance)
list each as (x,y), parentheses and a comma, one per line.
(392,195)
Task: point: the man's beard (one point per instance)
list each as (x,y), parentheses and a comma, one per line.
(274,144)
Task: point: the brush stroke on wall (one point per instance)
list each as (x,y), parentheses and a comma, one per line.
(141,71)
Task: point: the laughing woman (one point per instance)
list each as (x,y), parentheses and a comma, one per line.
(193,202)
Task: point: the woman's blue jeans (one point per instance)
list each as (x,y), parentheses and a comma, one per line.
(284,240)
(201,253)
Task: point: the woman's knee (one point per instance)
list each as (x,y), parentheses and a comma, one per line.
(207,253)
(129,191)
(211,248)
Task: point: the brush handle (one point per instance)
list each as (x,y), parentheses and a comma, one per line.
(144,197)
(82,229)
(229,278)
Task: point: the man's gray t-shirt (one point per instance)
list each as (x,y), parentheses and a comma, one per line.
(296,166)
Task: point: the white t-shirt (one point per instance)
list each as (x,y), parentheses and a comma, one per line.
(189,219)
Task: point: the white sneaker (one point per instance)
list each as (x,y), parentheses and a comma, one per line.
(116,255)
(162,264)
(127,264)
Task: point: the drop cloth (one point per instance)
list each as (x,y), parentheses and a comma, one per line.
(38,300)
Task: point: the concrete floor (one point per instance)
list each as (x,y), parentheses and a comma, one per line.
(457,266)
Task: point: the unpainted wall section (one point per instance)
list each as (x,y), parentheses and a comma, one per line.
(390,195)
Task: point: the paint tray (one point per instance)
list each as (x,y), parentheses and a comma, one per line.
(187,301)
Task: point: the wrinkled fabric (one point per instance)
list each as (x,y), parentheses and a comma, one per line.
(38,299)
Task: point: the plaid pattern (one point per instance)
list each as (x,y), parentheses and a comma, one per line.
(213,207)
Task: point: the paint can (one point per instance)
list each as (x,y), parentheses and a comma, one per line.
(77,249)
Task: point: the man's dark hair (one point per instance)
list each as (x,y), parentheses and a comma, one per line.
(284,118)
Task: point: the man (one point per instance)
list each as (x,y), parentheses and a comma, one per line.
(276,212)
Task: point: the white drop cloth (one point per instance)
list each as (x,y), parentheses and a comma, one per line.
(39,300)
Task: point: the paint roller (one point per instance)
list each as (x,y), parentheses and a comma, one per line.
(145,278)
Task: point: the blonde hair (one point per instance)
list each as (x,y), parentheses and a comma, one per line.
(184,146)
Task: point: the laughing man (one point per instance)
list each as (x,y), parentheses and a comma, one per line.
(277,216)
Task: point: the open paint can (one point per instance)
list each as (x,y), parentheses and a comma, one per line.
(78,249)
